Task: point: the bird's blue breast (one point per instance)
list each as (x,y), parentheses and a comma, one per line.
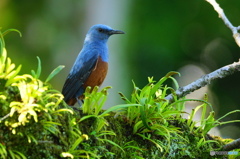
(98,46)
(103,54)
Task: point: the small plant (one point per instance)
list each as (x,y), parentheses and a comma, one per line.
(156,120)
(29,108)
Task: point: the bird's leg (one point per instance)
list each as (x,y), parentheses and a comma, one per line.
(80,102)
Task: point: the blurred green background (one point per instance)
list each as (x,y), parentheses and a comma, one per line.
(161,36)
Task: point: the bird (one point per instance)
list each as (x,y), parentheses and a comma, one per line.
(91,65)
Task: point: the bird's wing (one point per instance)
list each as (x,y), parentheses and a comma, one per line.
(73,86)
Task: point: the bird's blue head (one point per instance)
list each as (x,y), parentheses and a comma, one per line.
(101,32)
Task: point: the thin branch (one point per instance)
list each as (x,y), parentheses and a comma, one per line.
(205,80)
(6,116)
(233,145)
(222,15)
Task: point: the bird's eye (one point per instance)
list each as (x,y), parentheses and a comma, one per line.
(100,30)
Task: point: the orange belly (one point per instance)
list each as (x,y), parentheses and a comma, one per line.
(98,74)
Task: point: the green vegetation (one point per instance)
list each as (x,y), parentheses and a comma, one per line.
(36,123)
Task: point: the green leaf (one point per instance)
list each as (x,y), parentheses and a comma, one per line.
(12,30)
(77,142)
(54,73)
(137,126)
(11,154)
(3,58)
(158,146)
(65,110)
(143,117)
(2,43)
(3,151)
(229,113)
(86,117)
(113,143)
(39,69)
(20,154)
(12,75)
(118,107)
(171,73)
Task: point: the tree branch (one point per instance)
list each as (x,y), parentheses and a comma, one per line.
(6,116)
(220,73)
(206,79)
(222,15)
(233,145)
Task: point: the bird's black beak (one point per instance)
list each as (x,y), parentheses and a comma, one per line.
(116,32)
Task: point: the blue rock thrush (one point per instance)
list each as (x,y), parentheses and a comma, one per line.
(91,65)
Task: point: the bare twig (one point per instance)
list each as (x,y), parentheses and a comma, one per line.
(206,79)
(6,116)
(222,15)
(233,145)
